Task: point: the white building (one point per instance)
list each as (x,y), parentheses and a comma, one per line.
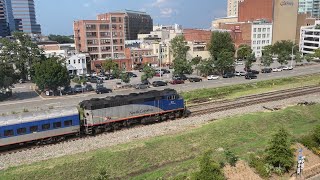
(261,36)
(309,39)
(233,6)
(77,64)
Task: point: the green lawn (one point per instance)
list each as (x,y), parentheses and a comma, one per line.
(235,91)
(169,156)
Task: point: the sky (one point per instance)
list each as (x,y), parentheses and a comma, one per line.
(57,16)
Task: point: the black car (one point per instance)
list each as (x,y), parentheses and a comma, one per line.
(266,70)
(131,74)
(78,88)
(146,82)
(195,79)
(250,76)
(253,71)
(96,80)
(102,90)
(228,75)
(159,83)
(67,91)
(165,71)
(88,87)
(181,77)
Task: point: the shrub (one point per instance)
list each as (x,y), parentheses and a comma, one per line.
(231,158)
(260,166)
(208,169)
(308,141)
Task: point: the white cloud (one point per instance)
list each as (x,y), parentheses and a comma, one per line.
(166,12)
(159,3)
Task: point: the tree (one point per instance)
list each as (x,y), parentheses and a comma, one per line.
(149,72)
(308,57)
(116,71)
(208,169)
(266,60)
(179,51)
(125,77)
(206,67)
(279,153)
(220,42)
(298,57)
(283,57)
(224,62)
(196,61)
(21,52)
(249,60)
(7,75)
(60,39)
(51,74)
(285,47)
(108,65)
(244,51)
(317,53)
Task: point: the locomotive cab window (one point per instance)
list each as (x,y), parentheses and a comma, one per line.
(21,131)
(33,129)
(45,126)
(8,133)
(68,123)
(57,125)
(173,97)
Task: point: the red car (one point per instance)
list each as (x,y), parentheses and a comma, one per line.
(177,81)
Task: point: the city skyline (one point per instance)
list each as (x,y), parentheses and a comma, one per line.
(57,17)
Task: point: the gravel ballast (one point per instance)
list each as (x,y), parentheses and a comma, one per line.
(138,133)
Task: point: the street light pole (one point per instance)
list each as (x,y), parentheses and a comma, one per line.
(160,54)
(292,54)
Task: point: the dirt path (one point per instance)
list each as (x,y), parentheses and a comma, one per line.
(242,171)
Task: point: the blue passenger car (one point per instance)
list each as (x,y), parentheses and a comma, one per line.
(44,126)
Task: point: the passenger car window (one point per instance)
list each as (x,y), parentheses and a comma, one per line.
(21,131)
(33,129)
(8,133)
(45,126)
(57,125)
(68,123)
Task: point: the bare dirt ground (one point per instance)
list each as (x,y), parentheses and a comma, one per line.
(242,171)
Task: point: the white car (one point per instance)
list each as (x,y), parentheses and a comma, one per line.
(240,73)
(277,69)
(212,77)
(239,63)
(287,67)
(103,77)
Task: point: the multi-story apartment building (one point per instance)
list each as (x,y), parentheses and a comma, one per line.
(310,6)
(309,39)
(4,25)
(261,36)
(232,7)
(136,22)
(25,16)
(103,39)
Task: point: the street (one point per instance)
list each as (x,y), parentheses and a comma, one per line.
(26,98)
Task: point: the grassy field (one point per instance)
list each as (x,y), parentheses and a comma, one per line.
(169,156)
(234,91)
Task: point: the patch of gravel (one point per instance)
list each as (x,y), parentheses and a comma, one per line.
(143,132)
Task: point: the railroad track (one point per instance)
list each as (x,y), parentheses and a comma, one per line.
(206,108)
(224,105)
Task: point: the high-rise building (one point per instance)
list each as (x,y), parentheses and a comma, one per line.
(4,25)
(9,15)
(135,22)
(25,16)
(310,6)
(316,9)
(232,8)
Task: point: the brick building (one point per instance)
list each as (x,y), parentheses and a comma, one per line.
(141,56)
(240,32)
(251,10)
(197,35)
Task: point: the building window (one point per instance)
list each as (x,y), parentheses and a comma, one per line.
(263,35)
(74,61)
(91,34)
(258,42)
(264,30)
(90,26)
(104,26)
(113,19)
(114,27)
(263,41)
(121,41)
(105,48)
(105,41)
(254,36)
(114,34)
(82,61)
(254,42)
(268,29)
(78,61)
(68,61)
(92,49)
(259,29)
(104,34)
(254,29)
(268,35)
(259,36)
(268,41)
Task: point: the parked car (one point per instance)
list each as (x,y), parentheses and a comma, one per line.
(266,70)
(165,71)
(238,63)
(142,86)
(212,77)
(78,88)
(101,77)
(181,77)
(177,81)
(158,74)
(94,74)
(286,68)
(159,83)
(250,76)
(131,74)
(88,87)
(102,90)
(278,69)
(253,71)
(146,82)
(195,79)
(95,80)
(228,75)
(240,73)
(67,91)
